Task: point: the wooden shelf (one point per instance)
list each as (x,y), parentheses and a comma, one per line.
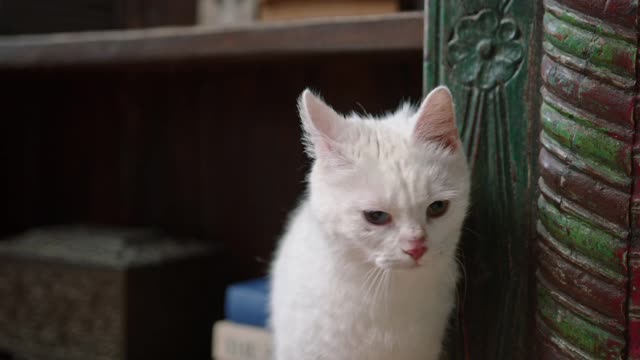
(382,33)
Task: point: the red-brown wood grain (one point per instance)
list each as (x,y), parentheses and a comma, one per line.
(593,195)
(587,260)
(609,298)
(623,12)
(588,94)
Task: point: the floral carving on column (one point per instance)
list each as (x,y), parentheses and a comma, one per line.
(485,50)
(481,50)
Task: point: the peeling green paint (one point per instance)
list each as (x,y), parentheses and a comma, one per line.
(579,119)
(616,178)
(578,235)
(591,143)
(589,77)
(617,55)
(576,20)
(577,330)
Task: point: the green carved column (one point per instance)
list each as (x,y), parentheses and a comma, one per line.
(587,277)
(547,96)
(487,52)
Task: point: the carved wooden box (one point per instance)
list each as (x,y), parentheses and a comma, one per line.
(76,293)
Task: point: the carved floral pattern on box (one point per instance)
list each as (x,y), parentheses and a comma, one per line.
(61,311)
(67,293)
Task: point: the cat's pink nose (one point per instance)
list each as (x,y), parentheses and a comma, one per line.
(417,252)
(418,248)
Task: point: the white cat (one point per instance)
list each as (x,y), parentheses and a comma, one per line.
(366,269)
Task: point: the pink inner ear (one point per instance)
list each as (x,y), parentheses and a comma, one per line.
(436,120)
(323,127)
(444,136)
(319,116)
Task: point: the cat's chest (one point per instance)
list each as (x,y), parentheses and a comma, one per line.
(360,336)
(362,329)
(392,304)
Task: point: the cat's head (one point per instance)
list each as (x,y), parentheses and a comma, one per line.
(390,191)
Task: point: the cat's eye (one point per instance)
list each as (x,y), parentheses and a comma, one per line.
(377,217)
(437,209)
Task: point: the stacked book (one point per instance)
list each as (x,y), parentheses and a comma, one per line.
(243,334)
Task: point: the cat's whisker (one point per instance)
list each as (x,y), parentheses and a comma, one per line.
(464,279)
(364,287)
(372,283)
(387,277)
(364,111)
(383,289)
(367,276)
(378,282)
(368,282)
(381,296)
(471,231)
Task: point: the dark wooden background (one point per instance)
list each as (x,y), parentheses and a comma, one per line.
(37,16)
(201,149)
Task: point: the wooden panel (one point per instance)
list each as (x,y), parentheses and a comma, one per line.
(486,51)
(387,33)
(587,170)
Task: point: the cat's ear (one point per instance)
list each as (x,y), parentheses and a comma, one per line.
(323,128)
(436,120)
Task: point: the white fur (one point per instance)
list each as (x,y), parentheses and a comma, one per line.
(343,289)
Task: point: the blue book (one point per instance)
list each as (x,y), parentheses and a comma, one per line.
(247,302)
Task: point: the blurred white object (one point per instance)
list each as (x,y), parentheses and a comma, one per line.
(226,12)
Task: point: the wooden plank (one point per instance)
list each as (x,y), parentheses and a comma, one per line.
(386,33)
